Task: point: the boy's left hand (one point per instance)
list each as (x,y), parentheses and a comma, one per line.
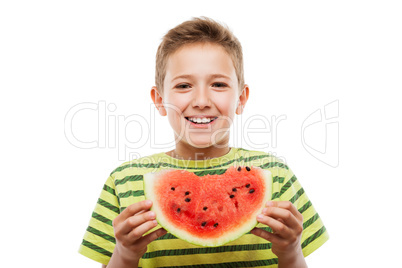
(286,223)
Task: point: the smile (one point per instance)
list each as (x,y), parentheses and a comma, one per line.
(204,120)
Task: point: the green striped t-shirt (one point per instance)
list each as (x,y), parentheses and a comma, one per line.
(125,187)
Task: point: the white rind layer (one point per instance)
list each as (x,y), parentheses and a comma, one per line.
(151,178)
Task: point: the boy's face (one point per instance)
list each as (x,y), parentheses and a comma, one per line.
(200,82)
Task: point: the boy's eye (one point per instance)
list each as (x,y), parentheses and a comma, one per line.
(214,84)
(219,85)
(182,86)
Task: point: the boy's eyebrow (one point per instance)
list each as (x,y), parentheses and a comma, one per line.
(211,76)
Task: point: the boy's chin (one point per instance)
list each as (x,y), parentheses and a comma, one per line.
(201,144)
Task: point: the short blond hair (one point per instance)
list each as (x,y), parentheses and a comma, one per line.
(198,30)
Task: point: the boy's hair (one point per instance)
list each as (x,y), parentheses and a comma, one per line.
(198,30)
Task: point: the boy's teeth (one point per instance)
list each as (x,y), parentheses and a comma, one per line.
(200,120)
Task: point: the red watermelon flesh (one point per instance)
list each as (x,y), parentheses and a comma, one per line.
(208,210)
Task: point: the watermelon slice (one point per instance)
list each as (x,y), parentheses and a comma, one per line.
(208,210)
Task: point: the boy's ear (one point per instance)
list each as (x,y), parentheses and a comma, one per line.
(158,101)
(242,99)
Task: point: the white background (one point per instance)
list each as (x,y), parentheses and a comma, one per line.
(299,56)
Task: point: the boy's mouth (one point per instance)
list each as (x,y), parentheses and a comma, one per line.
(201,120)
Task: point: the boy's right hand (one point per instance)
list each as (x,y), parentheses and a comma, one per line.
(129,229)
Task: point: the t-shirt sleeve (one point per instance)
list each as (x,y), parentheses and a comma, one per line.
(286,187)
(99,241)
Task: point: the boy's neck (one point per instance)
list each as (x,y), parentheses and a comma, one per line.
(191,153)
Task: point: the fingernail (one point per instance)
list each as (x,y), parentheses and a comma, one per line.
(260,216)
(264,211)
(151,214)
(148,202)
(270,204)
(155,222)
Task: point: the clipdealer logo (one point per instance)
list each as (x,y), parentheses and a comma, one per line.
(319,131)
(113,130)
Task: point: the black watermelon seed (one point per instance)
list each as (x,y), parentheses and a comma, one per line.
(216,224)
(234,189)
(248,169)
(178,210)
(239,169)
(187,199)
(251,191)
(204,223)
(204,208)
(172,188)
(187,193)
(247,185)
(231,196)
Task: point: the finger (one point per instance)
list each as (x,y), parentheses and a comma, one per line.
(145,240)
(137,208)
(132,210)
(286,205)
(120,222)
(140,230)
(140,212)
(278,228)
(266,235)
(282,215)
(135,221)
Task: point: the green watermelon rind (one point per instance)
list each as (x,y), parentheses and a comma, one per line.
(151,178)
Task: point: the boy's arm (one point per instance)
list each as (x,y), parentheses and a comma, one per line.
(286,223)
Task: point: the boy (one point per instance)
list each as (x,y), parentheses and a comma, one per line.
(200,87)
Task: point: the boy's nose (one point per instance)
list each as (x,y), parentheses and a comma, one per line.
(201,98)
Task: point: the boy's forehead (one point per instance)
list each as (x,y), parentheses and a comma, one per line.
(204,47)
(197,59)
